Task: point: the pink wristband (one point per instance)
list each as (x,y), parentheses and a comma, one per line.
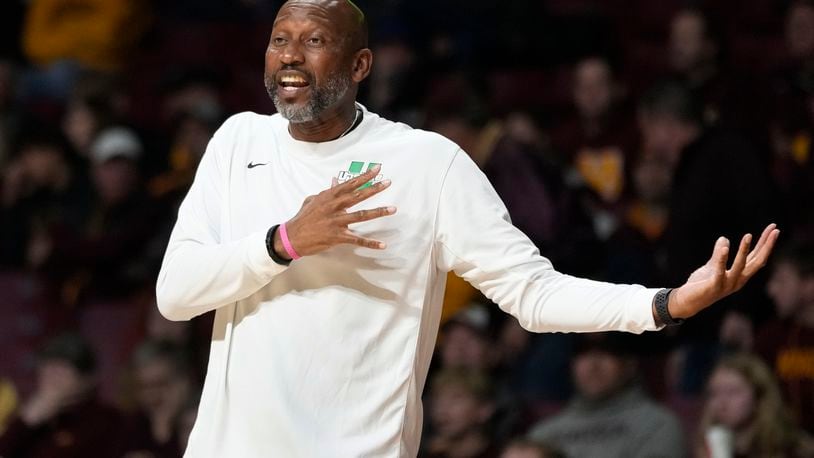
(287,243)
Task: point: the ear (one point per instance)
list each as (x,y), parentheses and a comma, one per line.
(362,63)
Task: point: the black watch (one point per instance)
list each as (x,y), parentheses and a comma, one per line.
(270,247)
(660,304)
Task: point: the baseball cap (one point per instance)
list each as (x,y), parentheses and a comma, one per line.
(476,317)
(116,142)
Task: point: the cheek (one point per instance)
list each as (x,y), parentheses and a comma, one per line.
(742,405)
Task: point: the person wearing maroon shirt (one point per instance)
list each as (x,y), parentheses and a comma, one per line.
(63,418)
(462,404)
(163,389)
(600,138)
(697,51)
(787,344)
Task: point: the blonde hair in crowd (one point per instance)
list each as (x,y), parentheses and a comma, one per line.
(773,432)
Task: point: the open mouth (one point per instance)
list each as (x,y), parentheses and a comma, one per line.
(292,82)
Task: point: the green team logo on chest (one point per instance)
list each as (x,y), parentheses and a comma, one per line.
(357,168)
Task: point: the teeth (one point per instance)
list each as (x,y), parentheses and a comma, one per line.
(292,80)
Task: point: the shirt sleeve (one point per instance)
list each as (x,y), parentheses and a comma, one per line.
(475,239)
(200,271)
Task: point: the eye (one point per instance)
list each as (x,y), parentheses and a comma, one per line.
(278,41)
(315,41)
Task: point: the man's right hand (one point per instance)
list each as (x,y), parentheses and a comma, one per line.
(323,219)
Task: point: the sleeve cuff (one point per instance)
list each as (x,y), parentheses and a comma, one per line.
(644,305)
(259,258)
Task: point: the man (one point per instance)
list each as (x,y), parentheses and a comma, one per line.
(610,416)
(719,186)
(163,386)
(328,356)
(63,417)
(787,344)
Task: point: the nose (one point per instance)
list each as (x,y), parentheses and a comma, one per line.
(291,54)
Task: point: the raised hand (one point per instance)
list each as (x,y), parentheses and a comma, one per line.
(713,281)
(323,219)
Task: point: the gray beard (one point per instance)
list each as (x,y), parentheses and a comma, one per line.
(322,97)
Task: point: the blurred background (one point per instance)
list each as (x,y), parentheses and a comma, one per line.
(623,135)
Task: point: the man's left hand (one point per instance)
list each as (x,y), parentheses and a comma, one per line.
(713,281)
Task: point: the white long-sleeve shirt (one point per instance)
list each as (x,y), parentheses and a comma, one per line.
(328,357)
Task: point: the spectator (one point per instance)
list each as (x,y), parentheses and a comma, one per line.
(533,367)
(467,340)
(40,189)
(394,89)
(610,415)
(792,126)
(193,131)
(64,37)
(787,344)
(743,399)
(163,387)
(63,418)
(599,140)
(523,448)
(529,180)
(460,409)
(719,186)
(696,51)
(631,251)
(103,258)
(94,105)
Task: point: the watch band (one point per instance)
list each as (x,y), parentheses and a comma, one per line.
(660,303)
(270,247)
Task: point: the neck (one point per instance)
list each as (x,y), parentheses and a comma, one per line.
(743,439)
(328,126)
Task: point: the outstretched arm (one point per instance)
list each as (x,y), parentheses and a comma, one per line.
(475,238)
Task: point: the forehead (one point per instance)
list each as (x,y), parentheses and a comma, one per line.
(304,11)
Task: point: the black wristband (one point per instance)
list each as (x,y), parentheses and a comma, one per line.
(270,247)
(660,302)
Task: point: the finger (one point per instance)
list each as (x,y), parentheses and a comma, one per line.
(359,181)
(353,239)
(366,215)
(762,256)
(334,182)
(362,194)
(734,273)
(719,257)
(762,240)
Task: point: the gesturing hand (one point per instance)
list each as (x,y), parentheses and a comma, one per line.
(713,281)
(323,219)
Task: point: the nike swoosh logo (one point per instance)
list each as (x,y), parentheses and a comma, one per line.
(253,165)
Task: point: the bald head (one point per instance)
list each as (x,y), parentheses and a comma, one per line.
(345,14)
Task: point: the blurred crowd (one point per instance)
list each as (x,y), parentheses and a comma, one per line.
(624,137)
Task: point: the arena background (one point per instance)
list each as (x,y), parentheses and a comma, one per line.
(623,135)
